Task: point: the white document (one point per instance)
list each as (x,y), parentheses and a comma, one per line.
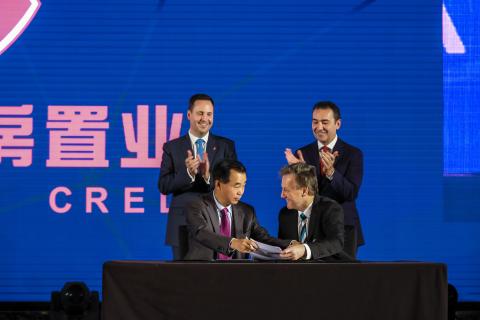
(266,252)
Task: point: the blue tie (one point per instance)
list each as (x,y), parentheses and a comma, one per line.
(200,143)
(303,230)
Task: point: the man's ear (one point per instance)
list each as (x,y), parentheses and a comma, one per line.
(189,114)
(338,124)
(304,191)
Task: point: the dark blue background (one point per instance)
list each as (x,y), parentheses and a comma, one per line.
(265,63)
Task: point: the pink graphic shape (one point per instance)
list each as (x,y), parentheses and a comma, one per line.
(451,40)
(15,16)
(53,200)
(95,195)
(14,125)
(163,204)
(137,141)
(129,198)
(78,137)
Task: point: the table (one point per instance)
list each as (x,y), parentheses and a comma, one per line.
(251,290)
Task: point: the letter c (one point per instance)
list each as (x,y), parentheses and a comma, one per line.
(53,197)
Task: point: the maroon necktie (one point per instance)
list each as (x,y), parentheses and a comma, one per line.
(224,230)
(324,149)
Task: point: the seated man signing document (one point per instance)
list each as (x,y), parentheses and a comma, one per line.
(221,227)
(315,222)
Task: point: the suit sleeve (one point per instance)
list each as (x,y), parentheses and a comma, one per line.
(231,152)
(346,186)
(281,232)
(333,229)
(173,173)
(198,222)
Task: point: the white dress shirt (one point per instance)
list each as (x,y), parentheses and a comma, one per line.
(331,145)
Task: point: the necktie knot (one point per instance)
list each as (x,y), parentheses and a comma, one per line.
(325,149)
(303,216)
(224,211)
(200,143)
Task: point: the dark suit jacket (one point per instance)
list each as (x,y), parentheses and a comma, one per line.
(205,240)
(175,180)
(325,227)
(346,181)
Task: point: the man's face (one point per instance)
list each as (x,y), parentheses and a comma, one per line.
(292,193)
(324,125)
(232,191)
(201,117)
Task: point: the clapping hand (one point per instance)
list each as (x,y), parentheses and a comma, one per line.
(205,167)
(291,159)
(328,160)
(192,163)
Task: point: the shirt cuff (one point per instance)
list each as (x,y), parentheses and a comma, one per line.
(330,177)
(309,252)
(207,181)
(193,178)
(230,249)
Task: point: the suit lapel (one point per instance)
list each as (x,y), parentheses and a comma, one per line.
(211,148)
(292,225)
(237,216)
(339,146)
(314,217)
(212,213)
(313,151)
(315,156)
(187,144)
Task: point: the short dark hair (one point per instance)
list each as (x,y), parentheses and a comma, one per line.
(305,176)
(221,171)
(199,96)
(324,105)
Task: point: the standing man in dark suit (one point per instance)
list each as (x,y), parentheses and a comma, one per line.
(186,163)
(315,222)
(221,227)
(339,168)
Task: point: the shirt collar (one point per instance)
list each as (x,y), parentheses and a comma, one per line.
(194,138)
(307,211)
(220,206)
(331,145)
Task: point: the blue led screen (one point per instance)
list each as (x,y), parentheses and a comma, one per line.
(119,75)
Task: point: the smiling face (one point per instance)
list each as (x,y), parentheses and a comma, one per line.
(324,125)
(297,198)
(232,191)
(201,117)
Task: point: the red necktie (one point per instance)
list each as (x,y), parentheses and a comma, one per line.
(224,230)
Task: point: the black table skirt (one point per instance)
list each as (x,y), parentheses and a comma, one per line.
(192,290)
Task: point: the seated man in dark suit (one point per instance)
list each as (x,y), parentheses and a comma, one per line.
(315,222)
(220,225)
